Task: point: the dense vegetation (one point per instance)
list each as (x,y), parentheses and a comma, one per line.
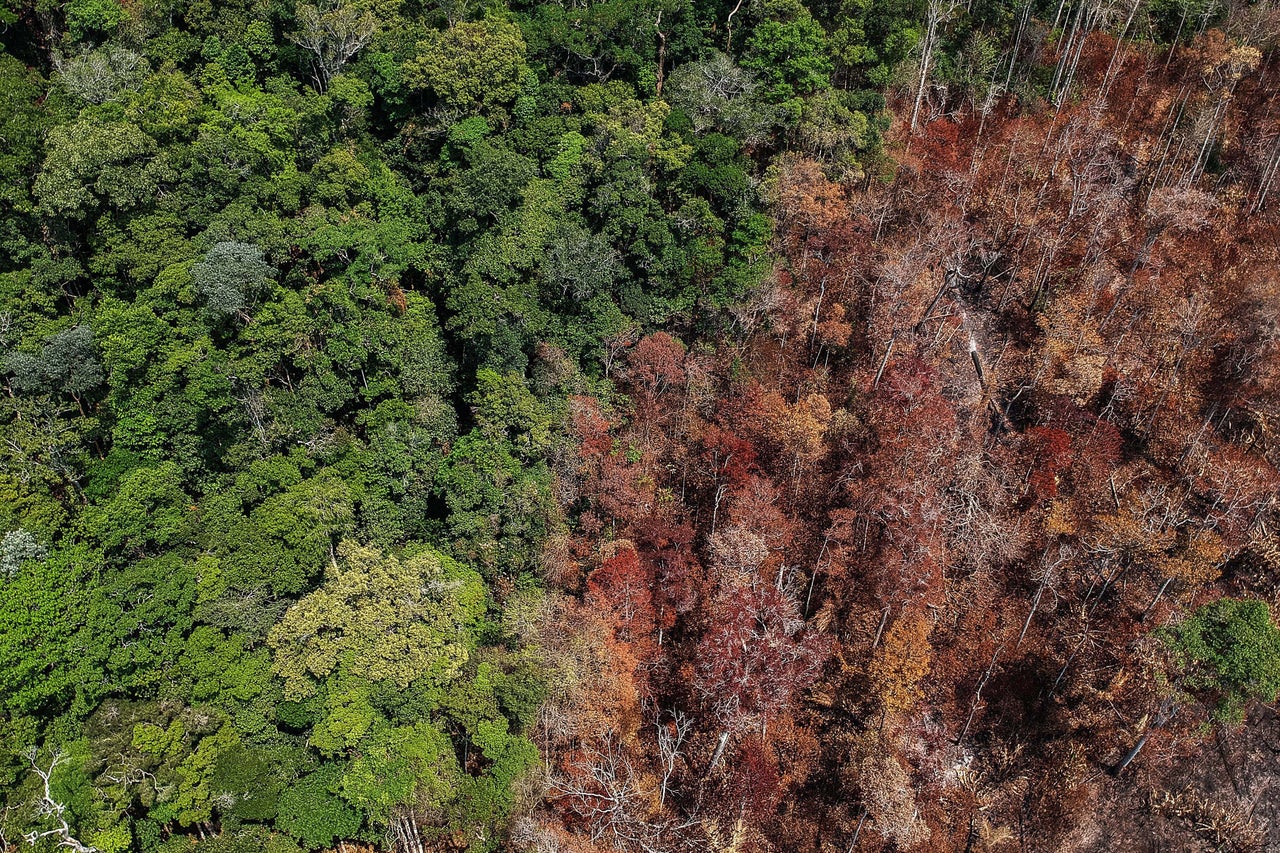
(643,425)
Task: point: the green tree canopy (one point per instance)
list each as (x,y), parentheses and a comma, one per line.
(471,67)
(390,618)
(1230,649)
(311,810)
(230,277)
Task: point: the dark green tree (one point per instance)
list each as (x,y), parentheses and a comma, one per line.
(231,277)
(1230,652)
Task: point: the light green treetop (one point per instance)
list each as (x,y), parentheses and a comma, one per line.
(473,67)
(390,618)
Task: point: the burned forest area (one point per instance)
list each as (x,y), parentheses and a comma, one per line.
(643,426)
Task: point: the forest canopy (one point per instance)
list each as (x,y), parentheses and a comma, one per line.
(639,425)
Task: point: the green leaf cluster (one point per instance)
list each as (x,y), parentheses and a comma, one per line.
(1229,651)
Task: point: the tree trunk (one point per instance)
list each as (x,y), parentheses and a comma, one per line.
(662,53)
(1156,600)
(977,694)
(884,362)
(719,753)
(927,46)
(1132,754)
(858,832)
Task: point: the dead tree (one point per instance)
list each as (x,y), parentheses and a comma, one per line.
(47,808)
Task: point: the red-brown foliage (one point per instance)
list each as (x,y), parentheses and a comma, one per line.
(895,558)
